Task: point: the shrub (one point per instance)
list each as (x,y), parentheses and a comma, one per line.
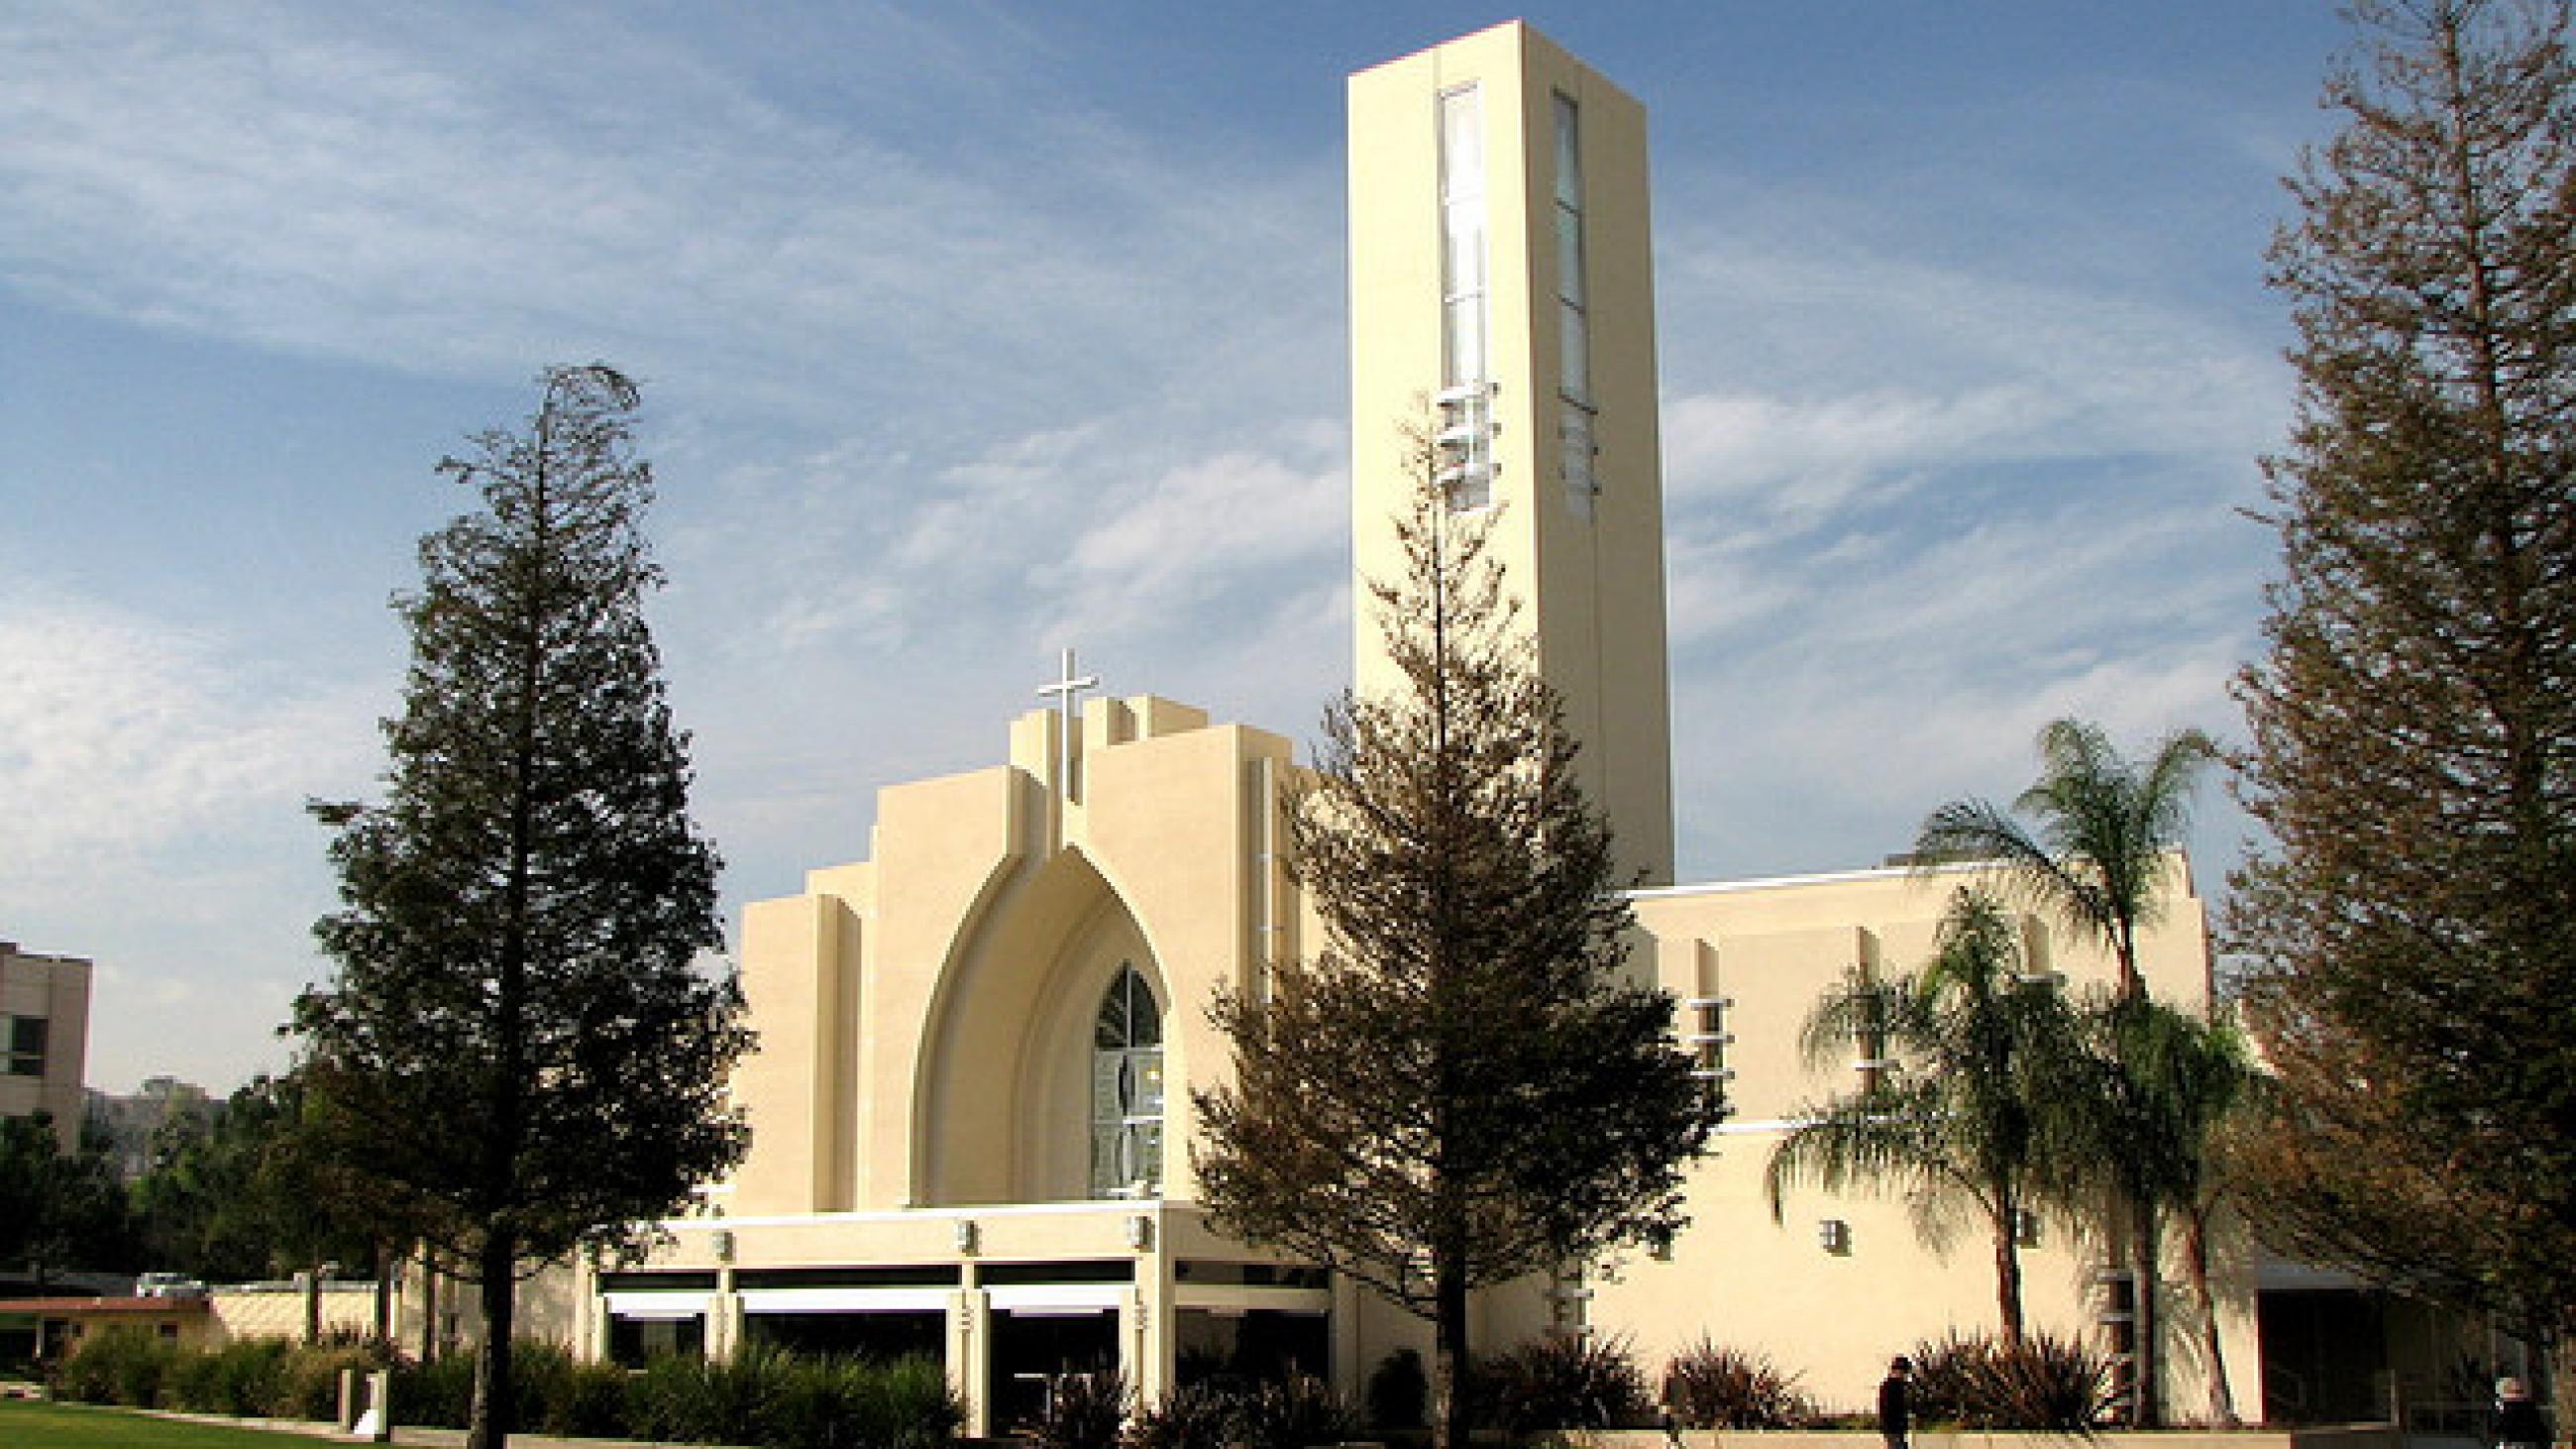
(589,1403)
(658,1399)
(190,1383)
(116,1366)
(307,1385)
(765,1396)
(847,1403)
(550,1391)
(1560,1381)
(699,1401)
(1398,1391)
(1292,1413)
(247,1375)
(554,1393)
(1710,1387)
(439,1393)
(537,1374)
(1978,1383)
(1083,1411)
(738,1397)
(1193,1416)
(815,1404)
(909,1405)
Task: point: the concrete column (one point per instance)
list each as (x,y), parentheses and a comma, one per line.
(1350,1365)
(725,1330)
(970,1353)
(1137,1327)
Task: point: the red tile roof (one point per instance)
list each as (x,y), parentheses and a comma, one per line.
(143,1306)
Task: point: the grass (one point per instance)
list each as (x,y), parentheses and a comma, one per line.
(29,1425)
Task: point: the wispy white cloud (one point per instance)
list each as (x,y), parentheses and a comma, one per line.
(454,195)
(1865,691)
(155,774)
(1918,507)
(122,736)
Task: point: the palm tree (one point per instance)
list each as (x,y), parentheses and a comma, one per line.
(1966,1112)
(2094,857)
(2188,1082)
(2101,828)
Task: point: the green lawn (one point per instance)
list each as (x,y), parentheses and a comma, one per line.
(25,1425)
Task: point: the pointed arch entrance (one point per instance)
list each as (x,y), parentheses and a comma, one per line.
(1043,1081)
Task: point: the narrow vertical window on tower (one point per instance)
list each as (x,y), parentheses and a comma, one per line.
(1127,1090)
(1465,441)
(1573,316)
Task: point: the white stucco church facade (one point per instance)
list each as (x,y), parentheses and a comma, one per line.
(971,1101)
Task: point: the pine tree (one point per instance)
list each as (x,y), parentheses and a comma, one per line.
(1464,1086)
(518,1047)
(2414,721)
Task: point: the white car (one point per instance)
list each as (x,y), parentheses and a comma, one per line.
(168,1285)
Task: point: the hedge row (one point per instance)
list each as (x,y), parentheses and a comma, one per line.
(762,1397)
(768,1397)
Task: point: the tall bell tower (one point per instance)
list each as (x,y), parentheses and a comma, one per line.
(1502,296)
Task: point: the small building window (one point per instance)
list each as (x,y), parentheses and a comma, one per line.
(26,1046)
(1707,1041)
(1127,1091)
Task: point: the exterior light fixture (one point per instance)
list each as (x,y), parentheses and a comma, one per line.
(1833,1235)
(965,1235)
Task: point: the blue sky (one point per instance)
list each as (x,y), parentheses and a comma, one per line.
(973,330)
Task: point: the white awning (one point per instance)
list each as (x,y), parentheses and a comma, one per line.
(663,1305)
(1042,1299)
(846,1300)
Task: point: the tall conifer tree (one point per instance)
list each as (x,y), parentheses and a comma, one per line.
(2413,921)
(518,1044)
(1466,1085)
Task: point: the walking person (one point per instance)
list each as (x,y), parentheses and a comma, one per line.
(2517,1421)
(1896,1402)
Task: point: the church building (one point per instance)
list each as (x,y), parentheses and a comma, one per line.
(971,1100)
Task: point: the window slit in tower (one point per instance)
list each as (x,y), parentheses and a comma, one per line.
(1575,446)
(1464,444)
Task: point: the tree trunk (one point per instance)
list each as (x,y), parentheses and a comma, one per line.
(492,1402)
(385,1261)
(1449,1358)
(2008,1276)
(428,1303)
(2146,1364)
(2145,1255)
(2222,1399)
(312,1302)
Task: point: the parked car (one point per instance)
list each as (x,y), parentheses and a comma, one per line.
(168,1285)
